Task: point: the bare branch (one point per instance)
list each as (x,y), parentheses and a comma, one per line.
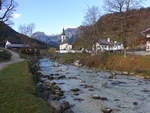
(27,29)
(7,9)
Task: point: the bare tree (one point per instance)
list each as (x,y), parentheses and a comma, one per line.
(91,16)
(122,7)
(27,29)
(90,31)
(7,8)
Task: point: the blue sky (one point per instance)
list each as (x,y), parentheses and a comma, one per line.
(50,16)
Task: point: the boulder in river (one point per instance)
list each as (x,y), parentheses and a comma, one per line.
(95,96)
(91,89)
(61,77)
(72,78)
(51,78)
(135,103)
(75,93)
(99,97)
(61,107)
(75,89)
(104,98)
(79,99)
(82,81)
(107,110)
(65,105)
(118,83)
(88,86)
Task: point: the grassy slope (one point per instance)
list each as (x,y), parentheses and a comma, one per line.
(17,91)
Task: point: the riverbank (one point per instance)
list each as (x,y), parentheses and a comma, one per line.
(134,65)
(47,89)
(17,91)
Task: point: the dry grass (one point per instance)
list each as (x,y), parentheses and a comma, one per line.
(136,64)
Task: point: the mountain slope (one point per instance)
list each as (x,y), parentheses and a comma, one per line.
(138,20)
(7,33)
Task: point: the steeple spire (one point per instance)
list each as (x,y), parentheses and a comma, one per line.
(63,32)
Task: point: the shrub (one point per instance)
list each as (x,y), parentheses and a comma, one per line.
(4,55)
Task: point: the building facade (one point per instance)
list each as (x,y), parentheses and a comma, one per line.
(108,45)
(146,33)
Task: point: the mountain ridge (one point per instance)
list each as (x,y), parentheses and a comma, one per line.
(54,40)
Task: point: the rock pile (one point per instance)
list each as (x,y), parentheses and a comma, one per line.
(48,90)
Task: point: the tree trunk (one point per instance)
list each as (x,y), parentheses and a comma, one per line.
(125,52)
(0,4)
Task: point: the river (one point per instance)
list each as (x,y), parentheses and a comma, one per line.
(124,94)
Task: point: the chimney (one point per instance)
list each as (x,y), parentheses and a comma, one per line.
(108,39)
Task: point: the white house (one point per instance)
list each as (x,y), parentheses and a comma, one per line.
(108,45)
(146,33)
(10,45)
(64,46)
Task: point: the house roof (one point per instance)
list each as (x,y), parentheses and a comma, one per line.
(106,42)
(103,42)
(18,46)
(146,31)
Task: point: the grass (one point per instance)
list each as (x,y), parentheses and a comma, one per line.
(4,55)
(17,91)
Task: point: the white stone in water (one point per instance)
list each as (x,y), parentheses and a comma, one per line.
(125,73)
(82,81)
(107,110)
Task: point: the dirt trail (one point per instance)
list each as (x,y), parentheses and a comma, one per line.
(14,59)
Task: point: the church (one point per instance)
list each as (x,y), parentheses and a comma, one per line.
(64,46)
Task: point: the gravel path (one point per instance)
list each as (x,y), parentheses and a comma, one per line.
(14,59)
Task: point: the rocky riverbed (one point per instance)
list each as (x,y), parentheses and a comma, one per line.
(90,91)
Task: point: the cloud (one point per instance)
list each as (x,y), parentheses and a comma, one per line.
(16,15)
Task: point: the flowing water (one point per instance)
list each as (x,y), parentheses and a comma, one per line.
(125,94)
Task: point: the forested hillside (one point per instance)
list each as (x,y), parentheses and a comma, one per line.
(109,25)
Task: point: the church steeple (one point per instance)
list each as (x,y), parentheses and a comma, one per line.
(63,36)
